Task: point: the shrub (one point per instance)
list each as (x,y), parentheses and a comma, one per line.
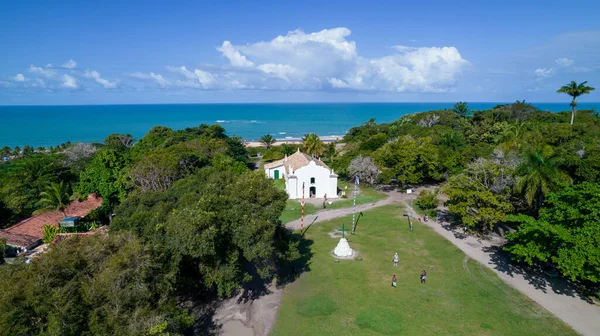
(427,200)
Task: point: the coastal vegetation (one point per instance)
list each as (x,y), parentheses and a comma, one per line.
(508,166)
(190,222)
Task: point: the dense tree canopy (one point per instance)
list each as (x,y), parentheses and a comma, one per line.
(216,221)
(91,286)
(567,233)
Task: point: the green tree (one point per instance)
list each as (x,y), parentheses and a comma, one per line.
(94,285)
(218,221)
(478,196)
(428,200)
(410,160)
(567,233)
(3,249)
(268,140)
(331,151)
(5,151)
(106,176)
(512,137)
(313,145)
(286,149)
(56,197)
(27,151)
(575,90)
(461,109)
(539,174)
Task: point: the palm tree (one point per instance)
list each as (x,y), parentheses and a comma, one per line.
(575,90)
(267,140)
(462,109)
(511,137)
(313,145)
(540,173)
(331,151)
(286,149)
(56,197)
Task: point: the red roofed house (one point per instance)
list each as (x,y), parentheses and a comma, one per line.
(29,232)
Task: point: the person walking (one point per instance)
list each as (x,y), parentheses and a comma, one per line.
(396,259)
(394,281)
(423,276)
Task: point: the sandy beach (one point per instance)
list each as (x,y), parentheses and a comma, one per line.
(292,141)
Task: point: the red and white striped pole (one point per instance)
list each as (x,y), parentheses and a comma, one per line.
(302,220)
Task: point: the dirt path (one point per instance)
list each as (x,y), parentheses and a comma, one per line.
(325,215)
(556,295)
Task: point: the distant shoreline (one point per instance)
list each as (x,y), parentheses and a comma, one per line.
(291,141)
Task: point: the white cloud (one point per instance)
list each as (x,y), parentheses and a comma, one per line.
(195,79)
(282,71)
(70,64)
(91,74)
(544,73)
(323,60)
(43,71)
(402,48)
(205,78)
(19,78)
(234,56)
(564,62)
(69,82)
(158,79)
(328,60)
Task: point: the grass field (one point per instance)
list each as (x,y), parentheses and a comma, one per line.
(293,209)
(355,297)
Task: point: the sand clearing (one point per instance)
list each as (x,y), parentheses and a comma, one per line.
(293,141)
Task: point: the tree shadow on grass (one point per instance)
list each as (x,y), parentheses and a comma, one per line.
(287,272)
(536,276)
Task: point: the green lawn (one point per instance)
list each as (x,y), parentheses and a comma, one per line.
(355,297)
(293,211)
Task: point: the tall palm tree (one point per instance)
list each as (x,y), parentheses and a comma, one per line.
(268,140)
(56,197)
(462,109)
(539,174)
(313,145)
(575,90)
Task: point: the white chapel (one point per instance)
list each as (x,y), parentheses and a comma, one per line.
(297,169)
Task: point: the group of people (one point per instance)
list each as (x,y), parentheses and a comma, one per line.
(423,276)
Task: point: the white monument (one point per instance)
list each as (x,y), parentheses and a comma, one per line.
(343,249)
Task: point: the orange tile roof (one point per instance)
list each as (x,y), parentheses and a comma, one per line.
(29,230)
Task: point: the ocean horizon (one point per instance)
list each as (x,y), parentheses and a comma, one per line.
(38,125)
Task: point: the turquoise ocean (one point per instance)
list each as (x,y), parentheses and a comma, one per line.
(52,125)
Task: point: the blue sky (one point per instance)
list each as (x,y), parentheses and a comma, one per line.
(113,52)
